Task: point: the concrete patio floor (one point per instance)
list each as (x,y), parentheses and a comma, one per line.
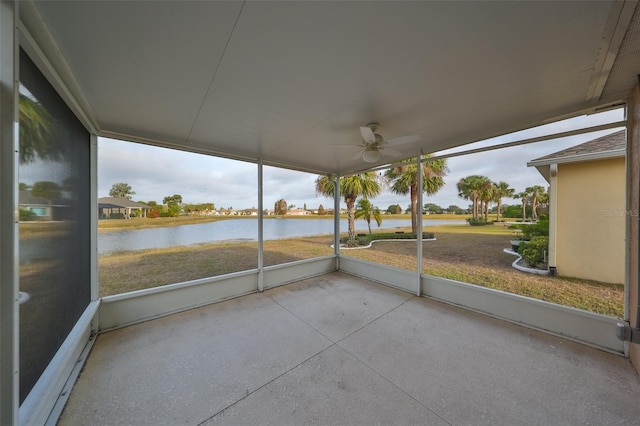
(337,349)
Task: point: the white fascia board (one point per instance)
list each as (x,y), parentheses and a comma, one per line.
(618,153)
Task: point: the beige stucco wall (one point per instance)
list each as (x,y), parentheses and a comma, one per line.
(633,225)
(590,238)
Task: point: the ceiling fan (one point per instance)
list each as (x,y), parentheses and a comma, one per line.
(373,144)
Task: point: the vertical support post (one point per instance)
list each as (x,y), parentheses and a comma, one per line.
(553,214)
(336,221)
(633,221)
(260,227)
(9,377)
(93,208)
(93,224)
(419,225)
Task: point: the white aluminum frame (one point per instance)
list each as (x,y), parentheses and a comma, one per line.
(570,323)
(47,397)
(419,257)
(9,377)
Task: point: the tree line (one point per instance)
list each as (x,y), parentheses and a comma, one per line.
(402,179)
(482,191)
(171,204)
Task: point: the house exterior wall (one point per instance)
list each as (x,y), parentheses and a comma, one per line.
(633,225)
(591,217)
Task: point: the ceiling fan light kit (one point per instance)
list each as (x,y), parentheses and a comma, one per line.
(372,145)
(371,156)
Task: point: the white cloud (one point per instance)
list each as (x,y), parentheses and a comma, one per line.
(154,173)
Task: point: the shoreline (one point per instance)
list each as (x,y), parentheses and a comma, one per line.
(115,225)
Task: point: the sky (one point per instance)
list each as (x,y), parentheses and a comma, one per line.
(155,173)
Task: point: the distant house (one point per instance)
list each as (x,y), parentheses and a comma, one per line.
(297,212)
(249,212)
(40,208)
(587,202)
(119,208)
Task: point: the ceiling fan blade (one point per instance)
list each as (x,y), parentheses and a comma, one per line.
(391,152)
(404,139)
(367,134)
(346,146)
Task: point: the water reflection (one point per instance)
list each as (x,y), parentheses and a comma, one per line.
(54,222)
(232,229)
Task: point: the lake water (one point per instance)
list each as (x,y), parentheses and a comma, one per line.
(235,229)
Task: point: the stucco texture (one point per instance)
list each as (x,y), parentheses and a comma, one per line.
(591,216)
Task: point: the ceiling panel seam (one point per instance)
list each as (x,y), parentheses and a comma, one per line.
(215,72)
(617,26)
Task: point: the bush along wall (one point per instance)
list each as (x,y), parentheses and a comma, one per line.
(534,251)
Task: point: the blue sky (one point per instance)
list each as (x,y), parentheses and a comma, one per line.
(155,173)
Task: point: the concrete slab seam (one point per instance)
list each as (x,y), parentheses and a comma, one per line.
(376,319)
(393,384)
(300,319)
(265,384)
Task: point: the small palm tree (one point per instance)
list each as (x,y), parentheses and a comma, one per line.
(501,190)
(404,179)
(367,211)
(524,197)
(364,185)
(486,196)
(536,192)
(543,199)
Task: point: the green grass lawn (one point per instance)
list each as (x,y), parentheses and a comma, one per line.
(462,253)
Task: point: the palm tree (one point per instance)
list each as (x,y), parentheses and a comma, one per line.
(365,210)
(501,190)
(536,191)
(485,192)
(404,179)
(524,196)
(473,188)
(37,132)
(543,199)
(351,187)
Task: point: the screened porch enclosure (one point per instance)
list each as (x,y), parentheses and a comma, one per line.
(320,337)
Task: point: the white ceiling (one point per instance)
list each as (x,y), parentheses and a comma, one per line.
(287,80)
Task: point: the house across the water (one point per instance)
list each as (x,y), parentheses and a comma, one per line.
(120,208)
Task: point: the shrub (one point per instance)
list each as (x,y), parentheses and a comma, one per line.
(26,215)
(538,229)
(534,250)
(478,222)
(363,240)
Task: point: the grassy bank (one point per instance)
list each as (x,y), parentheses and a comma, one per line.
(136,270)
(462,253)
(477,258)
